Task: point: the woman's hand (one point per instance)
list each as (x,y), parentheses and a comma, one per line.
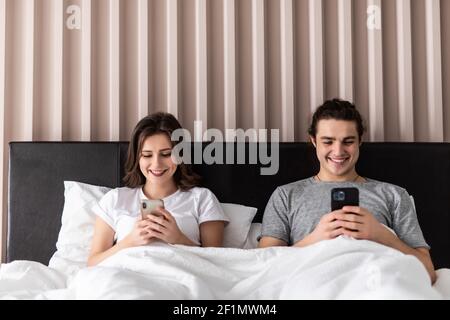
(164,227)
(140,234)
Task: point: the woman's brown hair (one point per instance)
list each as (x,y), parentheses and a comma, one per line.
(155,123)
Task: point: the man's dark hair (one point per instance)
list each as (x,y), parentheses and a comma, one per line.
(339,110)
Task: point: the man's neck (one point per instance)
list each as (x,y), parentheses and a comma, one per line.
(323,176)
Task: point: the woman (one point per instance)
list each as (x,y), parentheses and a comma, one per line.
(191,215)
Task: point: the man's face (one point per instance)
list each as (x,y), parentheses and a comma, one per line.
(337,147)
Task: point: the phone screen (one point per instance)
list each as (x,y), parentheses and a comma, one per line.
(341,197)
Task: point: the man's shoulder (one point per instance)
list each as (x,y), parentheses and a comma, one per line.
(384,186)
(295,186)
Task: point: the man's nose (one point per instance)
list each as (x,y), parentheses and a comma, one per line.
(339,148)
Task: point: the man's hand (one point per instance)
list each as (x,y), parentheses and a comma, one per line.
(327,228)
(361,224)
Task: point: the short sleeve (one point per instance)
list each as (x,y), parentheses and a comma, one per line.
(105,208)
(275,221)
(406,224)
(209,208)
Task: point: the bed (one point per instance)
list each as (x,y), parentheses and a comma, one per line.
(45,176)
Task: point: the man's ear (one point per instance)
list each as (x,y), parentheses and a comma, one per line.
(313,141)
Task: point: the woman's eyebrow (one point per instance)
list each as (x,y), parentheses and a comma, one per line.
(161,150)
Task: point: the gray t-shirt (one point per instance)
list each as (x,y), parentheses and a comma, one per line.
(294,210)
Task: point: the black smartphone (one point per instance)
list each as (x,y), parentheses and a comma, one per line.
(341,197)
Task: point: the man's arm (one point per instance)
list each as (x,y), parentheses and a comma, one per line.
(423,254)
(271,242)
(361,224)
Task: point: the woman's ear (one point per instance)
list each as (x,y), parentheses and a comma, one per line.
(313,141)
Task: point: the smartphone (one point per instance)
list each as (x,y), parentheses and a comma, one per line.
(341,197)
(149,206)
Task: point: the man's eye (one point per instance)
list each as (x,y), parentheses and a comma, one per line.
(348,142)
(327,142)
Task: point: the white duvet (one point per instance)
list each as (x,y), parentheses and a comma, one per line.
(342,268)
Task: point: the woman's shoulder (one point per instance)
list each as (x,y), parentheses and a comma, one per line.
(199,192)
(122,192)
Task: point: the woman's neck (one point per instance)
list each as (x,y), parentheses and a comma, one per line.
(159,191)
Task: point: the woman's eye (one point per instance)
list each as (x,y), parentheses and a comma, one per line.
(166,154)
(147,155)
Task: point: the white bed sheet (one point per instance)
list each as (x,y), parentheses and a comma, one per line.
(342,268)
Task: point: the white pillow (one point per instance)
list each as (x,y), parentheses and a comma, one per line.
(77,229)
(237,230)
(253,234)
(78,218)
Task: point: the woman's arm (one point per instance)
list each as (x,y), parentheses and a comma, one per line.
(103,240)
(102,243)
(211,233)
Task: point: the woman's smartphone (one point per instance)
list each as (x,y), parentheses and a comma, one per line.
(341,197)
(149,206)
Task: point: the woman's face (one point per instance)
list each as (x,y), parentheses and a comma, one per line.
(337,147)
(155,160)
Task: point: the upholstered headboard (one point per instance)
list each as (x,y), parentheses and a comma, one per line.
(37,171)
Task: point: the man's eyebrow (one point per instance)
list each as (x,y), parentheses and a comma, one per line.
(331,138)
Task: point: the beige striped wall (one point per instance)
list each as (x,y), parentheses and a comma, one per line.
(89,69)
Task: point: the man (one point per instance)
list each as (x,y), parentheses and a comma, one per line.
(296,214)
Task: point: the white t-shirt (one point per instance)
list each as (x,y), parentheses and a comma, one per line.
(120,209)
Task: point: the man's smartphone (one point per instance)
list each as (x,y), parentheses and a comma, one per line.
(341,197)
(149,206)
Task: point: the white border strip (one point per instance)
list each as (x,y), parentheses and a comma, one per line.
(345,49)
(142,57)
(201,87)
(85,70)
(27,69)
(287,71)
(114,71)
(172,56)
(229,69)
(3,151)
(434,71)
(316,53)
(375,64)
(57,69)
(258,70)
(405,77)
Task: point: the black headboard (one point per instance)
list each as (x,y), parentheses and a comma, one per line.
(37,171)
